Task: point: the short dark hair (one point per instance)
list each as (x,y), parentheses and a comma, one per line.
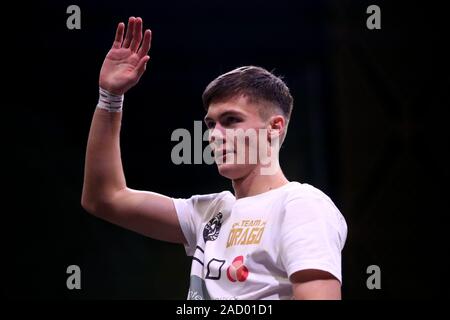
(255,83)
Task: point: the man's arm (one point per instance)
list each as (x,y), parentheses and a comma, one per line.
(105,193)
(314,284)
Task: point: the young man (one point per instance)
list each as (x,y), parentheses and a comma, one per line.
(271,239)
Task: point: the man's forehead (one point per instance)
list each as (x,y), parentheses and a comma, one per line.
(237,105)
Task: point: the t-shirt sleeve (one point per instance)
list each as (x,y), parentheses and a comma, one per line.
(191,214)
(313,234)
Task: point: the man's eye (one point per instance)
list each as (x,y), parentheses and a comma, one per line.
(231,120)
(210,124)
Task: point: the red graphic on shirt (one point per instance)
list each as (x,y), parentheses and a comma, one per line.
(237,270)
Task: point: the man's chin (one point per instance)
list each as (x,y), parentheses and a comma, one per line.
(231,171)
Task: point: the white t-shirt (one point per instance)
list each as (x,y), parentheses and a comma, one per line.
(247,248)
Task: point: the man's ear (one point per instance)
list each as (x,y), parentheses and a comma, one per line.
(276,127)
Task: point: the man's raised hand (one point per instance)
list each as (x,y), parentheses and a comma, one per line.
(127,59)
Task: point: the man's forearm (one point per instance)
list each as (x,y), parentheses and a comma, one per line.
(103,174)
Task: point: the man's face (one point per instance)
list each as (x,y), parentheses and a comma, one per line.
(236,136)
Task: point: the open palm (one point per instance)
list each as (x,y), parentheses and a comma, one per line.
(127,59)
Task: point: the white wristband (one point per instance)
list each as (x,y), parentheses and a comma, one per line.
(110,102)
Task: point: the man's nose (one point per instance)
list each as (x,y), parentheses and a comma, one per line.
(217,135)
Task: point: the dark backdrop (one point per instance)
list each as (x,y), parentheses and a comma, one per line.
(369,128)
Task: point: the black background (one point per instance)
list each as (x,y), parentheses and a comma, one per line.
(369,128)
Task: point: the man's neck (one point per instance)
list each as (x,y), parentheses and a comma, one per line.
(255,183)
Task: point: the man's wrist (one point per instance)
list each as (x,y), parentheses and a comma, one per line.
(109,101)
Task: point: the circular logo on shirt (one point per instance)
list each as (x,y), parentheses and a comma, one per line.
(212,228)
(237,270)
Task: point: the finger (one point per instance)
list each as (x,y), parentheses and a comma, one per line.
(143,50)
(141,66)
(119,35)
(137,35)
(130,30)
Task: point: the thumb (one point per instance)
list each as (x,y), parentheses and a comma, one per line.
(142,65)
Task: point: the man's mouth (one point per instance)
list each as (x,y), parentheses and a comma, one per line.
(222,154)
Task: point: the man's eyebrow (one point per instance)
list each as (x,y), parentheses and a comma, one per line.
(226,113)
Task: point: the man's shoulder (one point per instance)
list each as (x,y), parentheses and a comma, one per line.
(205,201)
(310,202)
(299,190)
(210,197)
